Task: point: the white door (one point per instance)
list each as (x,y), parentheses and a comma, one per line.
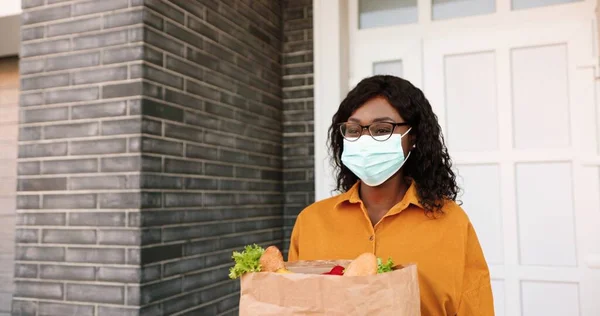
(515,93)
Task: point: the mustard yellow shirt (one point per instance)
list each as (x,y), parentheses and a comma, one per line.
(453,274)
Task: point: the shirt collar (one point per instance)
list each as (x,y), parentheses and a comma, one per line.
(410,197)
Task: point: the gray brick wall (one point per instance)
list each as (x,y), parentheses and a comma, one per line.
(298,131)
(153,139)
(215,128)
(78,245)
(150,150)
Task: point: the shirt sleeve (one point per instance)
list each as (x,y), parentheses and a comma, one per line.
(293,252)
(476,296)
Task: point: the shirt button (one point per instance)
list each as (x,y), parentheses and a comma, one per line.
(371,238)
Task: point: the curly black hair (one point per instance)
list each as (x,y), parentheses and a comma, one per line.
(429,165)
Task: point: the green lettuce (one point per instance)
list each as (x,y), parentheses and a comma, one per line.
(384,267)
(246,261)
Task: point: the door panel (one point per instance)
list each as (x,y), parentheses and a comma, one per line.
(510,121)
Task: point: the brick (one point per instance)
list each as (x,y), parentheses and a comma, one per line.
(183,199)
(183,166)
(160,182)
(122,90)
(183,132)
(242,172)
(60,309)
(202,152)
(203,29)
(40,219)
(151,273)
(100,40)
(71,130)
(133,163)
(183,35)
(155,109)
(43,82)
(99,110)
(26,235)
(100,75)
(130,200)
(43,290)
(104,146)
(203,279)
(69,201)
(156,291)
(134,256)
(70,236)
(160,41)
(28,202)
(99,219)
(24,308)
(117,311)
(96,255)
(191,232)
(214,199)
(219,110)
(88,7)
(123,275)
(184,68)
(201,184)
(40,253)
(42,150)
(26,270)
(183,100)
(161,253)
(69,166)
(162,77)
(26,4)
(214,169)
(204,120)
(72,95)
(74,26)
(119,237)
(31,66)
(81,60)
(122,54)
(42,184)
(151,127)
(44,115)
(31,99)
(30,133)
(199,247)
(159,146)
(45,47)
(122,127)
(190,7)
(166,10)
(123,18)
(61,272)
(45,14)
(95,293)
(183,266)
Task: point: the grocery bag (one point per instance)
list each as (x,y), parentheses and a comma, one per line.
(308,292)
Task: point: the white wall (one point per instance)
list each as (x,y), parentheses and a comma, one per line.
(10,7)
(10,23)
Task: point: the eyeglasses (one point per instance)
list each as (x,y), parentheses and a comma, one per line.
(380,131)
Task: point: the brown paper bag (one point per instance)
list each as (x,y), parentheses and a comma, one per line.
(307,292)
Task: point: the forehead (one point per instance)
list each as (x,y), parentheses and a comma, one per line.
(374,109)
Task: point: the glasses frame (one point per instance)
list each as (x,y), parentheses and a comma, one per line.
(367,127)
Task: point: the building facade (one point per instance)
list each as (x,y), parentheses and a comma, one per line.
(142,141)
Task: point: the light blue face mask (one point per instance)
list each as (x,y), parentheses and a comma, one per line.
(372,161)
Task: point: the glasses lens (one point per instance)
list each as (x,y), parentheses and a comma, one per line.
(350,131)
(381,131)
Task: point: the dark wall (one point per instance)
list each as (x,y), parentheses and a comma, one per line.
(298,117)
(150,149)
(217,113)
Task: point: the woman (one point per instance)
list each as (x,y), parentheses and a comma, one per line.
(398,199)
